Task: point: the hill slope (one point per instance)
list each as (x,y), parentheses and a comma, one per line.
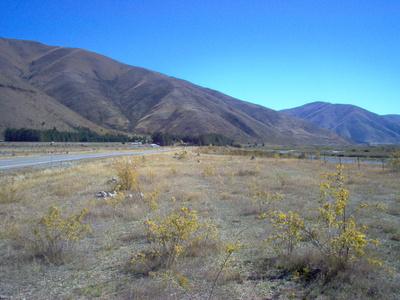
(132,99)
(23,105)
(393,118)
(349,121)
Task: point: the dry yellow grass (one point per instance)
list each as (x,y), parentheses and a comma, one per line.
(212,183)
(19,149)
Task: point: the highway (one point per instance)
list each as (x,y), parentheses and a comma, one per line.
(52,159)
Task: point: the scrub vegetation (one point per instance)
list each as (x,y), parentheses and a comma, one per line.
(201,223)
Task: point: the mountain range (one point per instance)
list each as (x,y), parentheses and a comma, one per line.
(353,122)
(43,86)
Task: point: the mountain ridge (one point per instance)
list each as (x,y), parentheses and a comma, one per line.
(392,117)
(116,96)
(353,122)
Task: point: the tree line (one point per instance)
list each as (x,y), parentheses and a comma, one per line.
(82,134)
(167,139)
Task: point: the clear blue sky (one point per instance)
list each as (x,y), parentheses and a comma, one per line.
(277,53)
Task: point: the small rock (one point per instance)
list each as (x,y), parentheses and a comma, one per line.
(101,194)
(114,179)
(112,194)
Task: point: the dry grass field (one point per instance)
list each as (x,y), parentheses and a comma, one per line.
(123,256)
(20,149)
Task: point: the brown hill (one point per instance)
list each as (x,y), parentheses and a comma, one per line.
(132,99)
(349,121)
(23,105)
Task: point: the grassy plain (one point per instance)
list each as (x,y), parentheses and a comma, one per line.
(18,149)
(205,180)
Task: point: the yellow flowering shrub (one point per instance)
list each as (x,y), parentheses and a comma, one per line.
(8,192)
(336,235)
(263,199)
(175,278)
(170,235)
(54,235)
(127,170)
(289,226)
(394,161)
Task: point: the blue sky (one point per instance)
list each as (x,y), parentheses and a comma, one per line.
(276,53)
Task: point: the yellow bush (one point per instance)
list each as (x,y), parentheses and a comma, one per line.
(54,235)
(9,192)
(171,235)
(264,199)
(338,237)
(394,161)
(336,234)
(290,224)
(127,170)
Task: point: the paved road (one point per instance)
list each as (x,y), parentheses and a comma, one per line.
(33,161)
